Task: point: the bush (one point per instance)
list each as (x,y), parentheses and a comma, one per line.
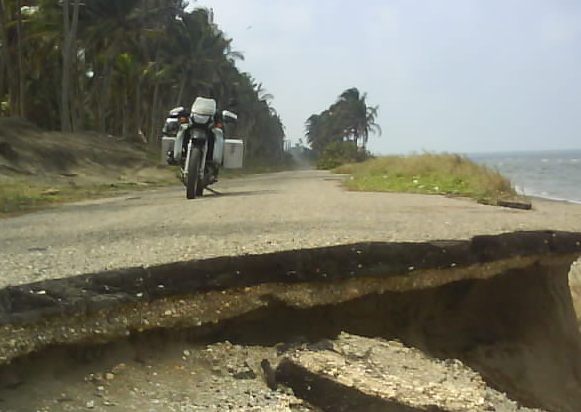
(340,153)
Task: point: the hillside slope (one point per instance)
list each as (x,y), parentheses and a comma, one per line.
(39,167)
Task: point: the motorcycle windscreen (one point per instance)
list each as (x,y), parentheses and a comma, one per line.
(204,106)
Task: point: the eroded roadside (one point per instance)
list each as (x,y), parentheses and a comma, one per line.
(500,304)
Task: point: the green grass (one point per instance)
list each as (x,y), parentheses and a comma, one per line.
(21,195)
(443,174)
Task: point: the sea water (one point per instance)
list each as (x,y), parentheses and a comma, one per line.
(552,174)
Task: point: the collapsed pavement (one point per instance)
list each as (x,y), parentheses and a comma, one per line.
(353,373)
(500,304)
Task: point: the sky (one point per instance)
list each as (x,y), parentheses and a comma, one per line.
(448,75)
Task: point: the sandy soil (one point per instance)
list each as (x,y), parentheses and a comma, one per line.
(159,376)
(257,214)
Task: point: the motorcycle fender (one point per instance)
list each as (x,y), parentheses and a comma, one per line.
(199,138)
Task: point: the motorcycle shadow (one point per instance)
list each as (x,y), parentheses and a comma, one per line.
(241,193)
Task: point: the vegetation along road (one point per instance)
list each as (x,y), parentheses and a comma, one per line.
(256,214)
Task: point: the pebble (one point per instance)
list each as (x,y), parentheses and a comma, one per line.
(118,368)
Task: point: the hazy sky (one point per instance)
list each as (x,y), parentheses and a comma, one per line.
(448,75)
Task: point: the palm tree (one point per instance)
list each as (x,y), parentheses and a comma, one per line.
(349,118)
(360,117)
(370,124)
(118,66)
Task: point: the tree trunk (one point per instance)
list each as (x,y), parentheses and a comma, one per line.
(77,103)
(21,97)
(154,107)
(125,116)
(2,78)
(3,87)
(103,96)
(154,114)
(70,34)
(7,58)
(181,91)
(138,128)
(65,106)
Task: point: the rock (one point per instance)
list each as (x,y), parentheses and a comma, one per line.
(118,368)
(523,204)
(244,374)
(109,376)
(90,404)
(373,374)
(50,192)
(269,374)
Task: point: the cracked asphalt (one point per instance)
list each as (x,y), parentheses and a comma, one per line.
(255,214)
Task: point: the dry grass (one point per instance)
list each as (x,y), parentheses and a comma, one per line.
(428,173)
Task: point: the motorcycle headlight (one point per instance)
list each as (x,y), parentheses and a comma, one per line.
(200,119)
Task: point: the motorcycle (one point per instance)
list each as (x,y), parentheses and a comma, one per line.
(199,144)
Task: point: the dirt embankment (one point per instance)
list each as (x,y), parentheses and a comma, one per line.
(38,167)
(500,304)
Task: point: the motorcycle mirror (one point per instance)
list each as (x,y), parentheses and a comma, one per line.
(229,116)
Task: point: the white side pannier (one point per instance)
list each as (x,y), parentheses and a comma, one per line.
(233,154)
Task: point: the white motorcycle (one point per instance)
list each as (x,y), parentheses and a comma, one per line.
(200,148)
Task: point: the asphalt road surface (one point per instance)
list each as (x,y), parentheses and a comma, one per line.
(256,214)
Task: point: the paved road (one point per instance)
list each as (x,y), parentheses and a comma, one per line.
(256,214)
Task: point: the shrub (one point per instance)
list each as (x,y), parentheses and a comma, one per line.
(340,153)
(429,173)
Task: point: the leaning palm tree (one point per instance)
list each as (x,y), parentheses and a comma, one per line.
(371,126)
(348,119)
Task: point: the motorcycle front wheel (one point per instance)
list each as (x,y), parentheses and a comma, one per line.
(194,186)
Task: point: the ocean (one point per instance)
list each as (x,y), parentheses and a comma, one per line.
(552,174)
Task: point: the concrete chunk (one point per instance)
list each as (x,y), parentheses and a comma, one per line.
(363,374)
